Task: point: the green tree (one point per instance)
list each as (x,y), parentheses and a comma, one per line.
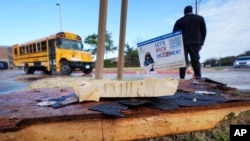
(92,41)
(211,62)
(131,56)
(227,61)
(247,53)
(224,61)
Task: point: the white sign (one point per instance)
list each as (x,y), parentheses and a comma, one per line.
(163,52)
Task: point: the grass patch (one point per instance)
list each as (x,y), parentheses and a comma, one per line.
(218,68)
(239,93)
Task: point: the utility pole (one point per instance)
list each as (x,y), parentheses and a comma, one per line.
(196,7)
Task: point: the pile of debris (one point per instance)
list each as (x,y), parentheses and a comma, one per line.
(43,106)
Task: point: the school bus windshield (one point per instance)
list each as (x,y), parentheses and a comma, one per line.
(69,44)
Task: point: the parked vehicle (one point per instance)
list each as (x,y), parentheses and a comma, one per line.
(3,65)
(62,52)
(242,61)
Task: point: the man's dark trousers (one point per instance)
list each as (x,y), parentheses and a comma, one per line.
(193,51)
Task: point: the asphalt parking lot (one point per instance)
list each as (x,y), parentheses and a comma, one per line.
(15,80)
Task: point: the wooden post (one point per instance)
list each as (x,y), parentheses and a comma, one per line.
(123,21)
(101,38)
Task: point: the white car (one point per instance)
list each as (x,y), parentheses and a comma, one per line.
(243,61)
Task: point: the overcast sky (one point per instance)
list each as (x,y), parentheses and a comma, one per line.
(228,27)
(228,21)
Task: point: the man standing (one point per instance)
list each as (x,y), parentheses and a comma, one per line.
(193,29)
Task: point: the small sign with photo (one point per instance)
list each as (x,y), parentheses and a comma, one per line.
(163,52)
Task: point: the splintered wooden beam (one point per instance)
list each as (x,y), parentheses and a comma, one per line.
(151,87)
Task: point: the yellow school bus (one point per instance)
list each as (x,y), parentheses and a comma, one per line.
(62,52)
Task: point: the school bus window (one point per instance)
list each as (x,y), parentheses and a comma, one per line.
(30,49)
(44,46)
(38,47)
(21,51)
(69,44)
(34,47)
(58,43)
(15,51)
(26,50)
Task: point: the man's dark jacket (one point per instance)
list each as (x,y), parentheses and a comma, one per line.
(193,29)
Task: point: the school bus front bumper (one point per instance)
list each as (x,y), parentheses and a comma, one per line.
(82,65)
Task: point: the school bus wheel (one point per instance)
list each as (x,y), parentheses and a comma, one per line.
(46,71)
(28,70)
(65,68)
(87,71)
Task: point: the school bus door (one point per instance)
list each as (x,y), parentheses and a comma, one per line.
(52,55)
